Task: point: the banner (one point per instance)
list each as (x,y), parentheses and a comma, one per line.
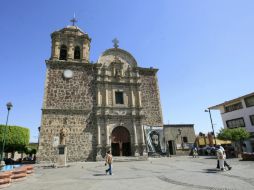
(155,139)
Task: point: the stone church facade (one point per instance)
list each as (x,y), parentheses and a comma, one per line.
(99,106)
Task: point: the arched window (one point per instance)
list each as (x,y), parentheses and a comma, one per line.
(63,53)
(77,53)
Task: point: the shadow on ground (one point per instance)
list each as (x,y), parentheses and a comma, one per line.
(99,174)
(211,170)
(213,158)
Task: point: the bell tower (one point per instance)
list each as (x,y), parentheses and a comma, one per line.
(70,44)
(69,97)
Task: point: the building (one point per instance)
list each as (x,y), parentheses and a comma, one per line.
(239,112)
(90,108)
(179,138)
(203,141)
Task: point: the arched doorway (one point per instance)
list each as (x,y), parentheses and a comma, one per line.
(121,142)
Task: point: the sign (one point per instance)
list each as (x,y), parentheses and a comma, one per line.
(155,139)
(55,141)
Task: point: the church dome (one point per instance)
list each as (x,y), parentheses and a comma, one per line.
(113,54)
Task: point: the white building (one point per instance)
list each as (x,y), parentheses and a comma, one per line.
(239,112)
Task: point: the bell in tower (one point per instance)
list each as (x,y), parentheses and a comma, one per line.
(70,44)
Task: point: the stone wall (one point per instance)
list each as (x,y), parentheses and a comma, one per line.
(68,104)
(80,136)
(150,97)
(171,133)
(74,93)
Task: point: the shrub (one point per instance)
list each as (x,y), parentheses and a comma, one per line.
(16,137)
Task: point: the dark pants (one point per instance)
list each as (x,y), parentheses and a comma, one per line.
(109,169)
(225,164)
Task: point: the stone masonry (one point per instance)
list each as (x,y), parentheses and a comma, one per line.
(101,106)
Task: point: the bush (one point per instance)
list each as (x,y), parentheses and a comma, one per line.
(16,138)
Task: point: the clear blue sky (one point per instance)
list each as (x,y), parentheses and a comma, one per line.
(204,51)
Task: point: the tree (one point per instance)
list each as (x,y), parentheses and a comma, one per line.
(237,135)
(16,138)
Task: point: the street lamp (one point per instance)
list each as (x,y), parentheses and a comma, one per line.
(9,106)
(211,124)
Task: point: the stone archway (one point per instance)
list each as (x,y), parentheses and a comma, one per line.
(120,142)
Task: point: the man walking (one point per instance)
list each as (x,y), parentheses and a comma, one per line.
(109,160)
(221,154)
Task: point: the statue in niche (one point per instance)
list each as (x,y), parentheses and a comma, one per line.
(118,73)
(63,136)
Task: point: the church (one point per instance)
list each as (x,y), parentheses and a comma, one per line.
(90,108)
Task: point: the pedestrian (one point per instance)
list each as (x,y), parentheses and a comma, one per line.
(195,152)
(109,160)
(221,158)
(221,153)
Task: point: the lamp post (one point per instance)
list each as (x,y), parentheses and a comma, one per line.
(9,106)
(211,124)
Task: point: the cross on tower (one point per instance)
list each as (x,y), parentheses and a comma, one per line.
(115,41)
(74,20)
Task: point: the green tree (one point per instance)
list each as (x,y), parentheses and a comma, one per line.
(237,135)
(16,137)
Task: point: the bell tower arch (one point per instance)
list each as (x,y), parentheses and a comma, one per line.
(70,44)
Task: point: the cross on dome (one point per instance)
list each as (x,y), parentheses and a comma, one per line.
(115,41)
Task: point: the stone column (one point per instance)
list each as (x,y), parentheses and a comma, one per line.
(99,157)
(142,135)
(85,51)
(132,99)
(55,49)
(108,145)
(106,97)
(71,49)
(135,134)
(135,139)
(143,141)
(107,135)
(98,98)
(99,134)
(139,98)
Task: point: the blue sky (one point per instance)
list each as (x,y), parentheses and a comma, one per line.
(203,49)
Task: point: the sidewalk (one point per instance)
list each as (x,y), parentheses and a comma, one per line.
(175,173)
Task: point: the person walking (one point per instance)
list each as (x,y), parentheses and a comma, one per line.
(109,159)
(221,152)
(195,152)
(221,158)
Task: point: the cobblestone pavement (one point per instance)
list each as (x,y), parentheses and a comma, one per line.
(175,173)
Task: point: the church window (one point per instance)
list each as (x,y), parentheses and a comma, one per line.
(119,97)
(63,53)
(77,53)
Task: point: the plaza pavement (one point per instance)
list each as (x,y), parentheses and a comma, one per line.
(175,173)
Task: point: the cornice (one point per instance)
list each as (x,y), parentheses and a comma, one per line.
(150,70)
(70,63)
(65,111)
